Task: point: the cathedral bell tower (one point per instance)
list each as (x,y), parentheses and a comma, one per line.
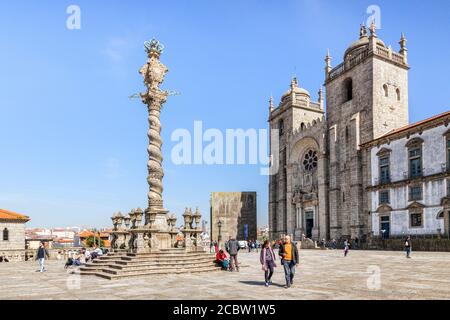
(366,97)
(295,111)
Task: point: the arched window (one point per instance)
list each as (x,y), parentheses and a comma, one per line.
(303,126)
(281,126)
(397,91)
(5,234)
(348,89)
(386,90)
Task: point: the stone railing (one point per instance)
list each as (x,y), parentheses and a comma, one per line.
(361,56)
(398,58)
(382,52)
(358,58)
(338,70)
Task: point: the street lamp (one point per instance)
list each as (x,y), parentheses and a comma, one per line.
(219,225)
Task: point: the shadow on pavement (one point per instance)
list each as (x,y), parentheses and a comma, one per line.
(260,283)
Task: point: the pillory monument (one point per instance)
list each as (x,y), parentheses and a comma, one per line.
(148,242)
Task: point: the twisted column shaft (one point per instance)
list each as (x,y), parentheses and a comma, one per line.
(153,72)
(155,158)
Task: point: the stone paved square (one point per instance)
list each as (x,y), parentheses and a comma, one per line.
(322,275)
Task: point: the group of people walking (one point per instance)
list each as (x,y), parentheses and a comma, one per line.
(288,253)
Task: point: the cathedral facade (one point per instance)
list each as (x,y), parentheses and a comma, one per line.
(320,189)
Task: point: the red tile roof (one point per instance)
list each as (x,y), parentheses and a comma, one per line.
(9,215)
(404,130)
(88,233)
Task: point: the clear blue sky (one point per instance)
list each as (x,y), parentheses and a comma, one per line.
(73,146)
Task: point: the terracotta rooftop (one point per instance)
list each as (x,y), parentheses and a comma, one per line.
(409,127)
(9,215)
(88,233)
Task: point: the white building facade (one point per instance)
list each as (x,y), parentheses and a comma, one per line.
(409,180)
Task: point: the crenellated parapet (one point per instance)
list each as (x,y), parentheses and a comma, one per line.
(316,130)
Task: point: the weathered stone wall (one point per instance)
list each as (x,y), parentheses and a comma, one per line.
(350,123)
(389,113)
(442,245)
(235,210)
(16,236)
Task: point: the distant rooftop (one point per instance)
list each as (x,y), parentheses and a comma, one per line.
(7,215)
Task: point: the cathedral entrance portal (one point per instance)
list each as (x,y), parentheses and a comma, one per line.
(309,223)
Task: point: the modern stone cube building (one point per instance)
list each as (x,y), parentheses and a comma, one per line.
(324,185)
(236,212)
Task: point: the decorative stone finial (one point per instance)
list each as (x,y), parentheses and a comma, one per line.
(402,42)
(328,58)
(271,108)
(294,82)
(362,31)
(403,49)
(321,97)
(154,48)
(373,29)
(327,64)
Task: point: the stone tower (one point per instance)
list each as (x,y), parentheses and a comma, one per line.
(295,111)
(366,97)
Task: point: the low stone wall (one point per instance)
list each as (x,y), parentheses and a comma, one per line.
(17,255)
(29,254)
(442,245)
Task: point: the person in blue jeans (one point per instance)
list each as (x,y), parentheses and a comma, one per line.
(289,259)
(41,255)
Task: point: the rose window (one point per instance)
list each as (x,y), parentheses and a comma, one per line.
(310,161)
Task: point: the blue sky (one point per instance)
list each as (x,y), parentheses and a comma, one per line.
(73,145)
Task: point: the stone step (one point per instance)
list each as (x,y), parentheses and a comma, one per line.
(163,259)
(150,259)
(154,268)
(155,272)
(158,265)
(153,255)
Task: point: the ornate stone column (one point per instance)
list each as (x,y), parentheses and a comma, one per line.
(153,72)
